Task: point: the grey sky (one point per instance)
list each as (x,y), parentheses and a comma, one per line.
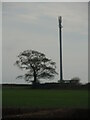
(35,26)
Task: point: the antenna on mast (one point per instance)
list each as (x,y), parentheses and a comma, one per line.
(60,35)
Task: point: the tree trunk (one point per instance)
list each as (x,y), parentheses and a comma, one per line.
(35,78)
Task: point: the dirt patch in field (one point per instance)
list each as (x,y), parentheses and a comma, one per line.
(27,113)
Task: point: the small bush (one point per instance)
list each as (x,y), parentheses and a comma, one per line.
(75,80)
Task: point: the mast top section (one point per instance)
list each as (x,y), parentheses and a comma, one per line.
(60,21)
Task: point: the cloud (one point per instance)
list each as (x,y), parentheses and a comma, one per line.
(75,15)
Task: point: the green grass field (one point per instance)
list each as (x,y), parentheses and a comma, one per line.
(21,97)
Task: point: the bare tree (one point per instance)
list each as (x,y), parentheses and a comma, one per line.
(37,66)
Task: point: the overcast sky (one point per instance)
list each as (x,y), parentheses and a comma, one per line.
(35,26)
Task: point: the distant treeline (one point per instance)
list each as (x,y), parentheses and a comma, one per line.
(50,86)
